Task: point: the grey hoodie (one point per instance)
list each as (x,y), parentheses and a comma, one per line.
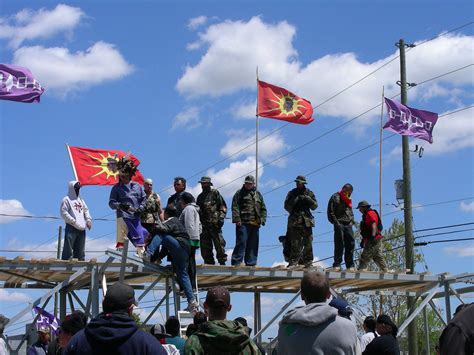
(74,209)
(191,221)
(316,329)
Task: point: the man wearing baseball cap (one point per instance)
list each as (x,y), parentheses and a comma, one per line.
(40,347)
(387,342)
(219,335)
(114,331)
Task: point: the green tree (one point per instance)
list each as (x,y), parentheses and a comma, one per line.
(395,306)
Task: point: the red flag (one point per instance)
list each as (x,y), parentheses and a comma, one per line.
(98,166)
(281,104)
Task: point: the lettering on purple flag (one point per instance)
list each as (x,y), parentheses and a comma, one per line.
(409,121)
(18,84)
(46,318)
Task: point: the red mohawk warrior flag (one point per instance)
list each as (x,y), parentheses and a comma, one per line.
(281,104)
(98,166)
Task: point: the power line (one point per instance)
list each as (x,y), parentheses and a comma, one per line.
(422,244)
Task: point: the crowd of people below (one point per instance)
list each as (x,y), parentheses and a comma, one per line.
(323,325)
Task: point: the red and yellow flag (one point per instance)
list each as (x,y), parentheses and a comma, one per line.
(99,166)
(281,104)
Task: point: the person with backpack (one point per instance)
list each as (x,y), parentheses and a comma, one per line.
(370,229)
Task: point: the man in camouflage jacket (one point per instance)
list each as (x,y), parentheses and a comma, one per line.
(212,211)
(152,212)
(299,202)
(248,213)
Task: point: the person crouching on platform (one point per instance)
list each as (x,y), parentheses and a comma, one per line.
(370,228)
(172,234)
(128,199)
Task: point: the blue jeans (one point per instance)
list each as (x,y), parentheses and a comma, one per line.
(246,245)
(343,242)
(74,243)
(180,260)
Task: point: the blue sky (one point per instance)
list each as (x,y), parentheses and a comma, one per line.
(174,83)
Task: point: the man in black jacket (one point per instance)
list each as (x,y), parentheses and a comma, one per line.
(386,343)
(458,336)
(114,332)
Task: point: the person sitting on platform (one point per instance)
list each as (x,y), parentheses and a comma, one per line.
(386,343)
(114,331)
(172,234)
(219,335)
(316,328)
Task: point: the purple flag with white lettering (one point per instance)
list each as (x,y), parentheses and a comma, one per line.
(18,84)
(409,121)
(46,318)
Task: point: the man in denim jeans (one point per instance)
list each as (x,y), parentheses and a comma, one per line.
(173,236)
(76,214)
(248,213)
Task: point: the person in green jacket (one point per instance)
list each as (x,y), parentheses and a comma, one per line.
(219,335)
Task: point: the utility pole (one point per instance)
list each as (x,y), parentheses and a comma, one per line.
(407,204)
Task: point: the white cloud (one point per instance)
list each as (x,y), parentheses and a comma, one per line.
(467,207)
(189,119)
(244,110)
(28,24)
(61,71)
(11,207)
(463,251)
(6,296)
(245,45)
(269,148)
(196,22)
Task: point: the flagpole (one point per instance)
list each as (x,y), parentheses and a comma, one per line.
(380,158)
(72,164)
(256,138)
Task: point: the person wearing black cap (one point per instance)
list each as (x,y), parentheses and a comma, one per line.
(218,335)
(386,343)
(76,214)
(299,203)
(248,213)
(370,229)
(114,332)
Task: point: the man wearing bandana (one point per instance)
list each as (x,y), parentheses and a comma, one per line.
(341,216)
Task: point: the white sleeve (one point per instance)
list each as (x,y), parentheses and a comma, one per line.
(65,213)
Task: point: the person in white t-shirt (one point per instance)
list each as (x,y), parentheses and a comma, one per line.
(370,333)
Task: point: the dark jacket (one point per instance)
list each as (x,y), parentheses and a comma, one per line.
(221,337)
(115,333)
(458,336)
(248,207)
(299,203)
(385,344)
(338,211)
(38,348)
(173,227)
(175,200)
(212,207)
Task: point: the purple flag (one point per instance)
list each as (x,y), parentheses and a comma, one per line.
(18,84)
(409,121)
(46,318)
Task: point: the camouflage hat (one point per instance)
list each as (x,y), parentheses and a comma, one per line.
(301,179)
(218,297)
(363,203)
(250,179)
(205,179)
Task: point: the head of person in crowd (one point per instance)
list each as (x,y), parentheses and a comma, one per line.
(385,325)
(170,211)
(347,189)
(363,206)
(179,184)
(206,183)
(369,324)
(191,329)
(172,326)
(343,308)
(199,317)
(70,325)
(300,182)
(148,186)
(159,332)
(315,287)
(242,321)
(217,303)
(44,334)
(249,182)
(186,199)
(120,297)
(3,322)
(460,308)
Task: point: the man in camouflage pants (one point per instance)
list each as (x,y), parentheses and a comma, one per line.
(212,211)
(152,212)
(370,228)
(299,235)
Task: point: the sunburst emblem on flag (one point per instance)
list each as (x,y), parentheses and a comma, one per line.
(288,105)
(106,164)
